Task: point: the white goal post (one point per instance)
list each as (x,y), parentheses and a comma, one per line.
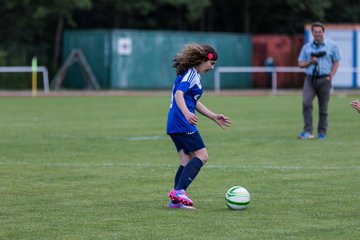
(41,69)
(272,70)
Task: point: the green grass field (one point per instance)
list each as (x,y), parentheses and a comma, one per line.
(101,168)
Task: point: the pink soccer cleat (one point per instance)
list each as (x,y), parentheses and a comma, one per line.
(181,196)
(179,205)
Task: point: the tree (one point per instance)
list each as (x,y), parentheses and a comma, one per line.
(60,11)
(32,22)
(346,11)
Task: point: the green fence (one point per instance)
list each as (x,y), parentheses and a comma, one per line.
(134,59)
(96,46)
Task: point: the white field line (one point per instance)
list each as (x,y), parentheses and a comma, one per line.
(165,137)
(211,166)
(121,138)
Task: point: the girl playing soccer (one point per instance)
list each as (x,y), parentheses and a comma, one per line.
(193,60)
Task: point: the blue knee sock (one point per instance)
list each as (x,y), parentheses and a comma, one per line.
(177,178)
(178,174)
(189,173)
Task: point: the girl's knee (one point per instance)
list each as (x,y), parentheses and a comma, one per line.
(202,154)
(204,158)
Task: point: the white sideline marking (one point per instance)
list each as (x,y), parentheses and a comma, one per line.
(138,165)
(287,167)
(122,138)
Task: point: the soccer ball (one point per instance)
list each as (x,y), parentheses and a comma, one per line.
(237,198)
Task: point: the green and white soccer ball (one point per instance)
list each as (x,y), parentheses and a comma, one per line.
(237,198)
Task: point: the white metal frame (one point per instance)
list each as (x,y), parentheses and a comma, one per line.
(273,70)
(29,69)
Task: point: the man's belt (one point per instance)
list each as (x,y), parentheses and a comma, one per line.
(317,76)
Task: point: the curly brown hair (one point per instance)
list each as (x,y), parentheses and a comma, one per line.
(193,54)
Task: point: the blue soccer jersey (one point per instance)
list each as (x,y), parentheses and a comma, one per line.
(190,84)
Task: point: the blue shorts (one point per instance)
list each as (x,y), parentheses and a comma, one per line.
(187,142)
